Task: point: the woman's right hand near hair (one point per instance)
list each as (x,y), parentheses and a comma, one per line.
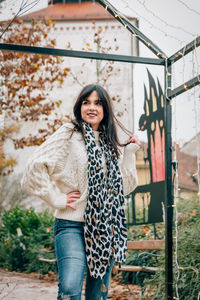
(71,198)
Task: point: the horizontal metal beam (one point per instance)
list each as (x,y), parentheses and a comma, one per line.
(185,50)
(134,30)
(184,87)
(82,54)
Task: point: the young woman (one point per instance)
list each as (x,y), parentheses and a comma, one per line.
(77,171)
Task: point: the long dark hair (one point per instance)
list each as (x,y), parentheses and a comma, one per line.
(108,124)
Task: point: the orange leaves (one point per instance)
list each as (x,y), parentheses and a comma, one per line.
(58,103)
(100,30)
(18,71)
(35,58)
(29,102)
(34,33)
(110,68)
(61,80)
(88,46)
(145,230)
(40,137)
(19,54)
(53,42)
(28,79)
(48,21)
(35,67)
(7,132)
(27,142)
(23,83)
(66,69)
(6,164)
(116,98)
(45,35)
(32,111)
(58,60)
(15,86)
(7,55)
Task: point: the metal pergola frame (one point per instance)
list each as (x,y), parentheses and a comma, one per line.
(166,63)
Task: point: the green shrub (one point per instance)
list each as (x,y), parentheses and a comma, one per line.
(146,258)
(23,234)
(187,272)
(139,258)
(186,277)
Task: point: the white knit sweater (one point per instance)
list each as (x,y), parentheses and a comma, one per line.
(59,166)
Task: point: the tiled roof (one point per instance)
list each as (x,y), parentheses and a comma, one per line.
(71,11)
(192,146)
(187,169)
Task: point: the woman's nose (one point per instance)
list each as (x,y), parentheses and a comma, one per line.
(92,106)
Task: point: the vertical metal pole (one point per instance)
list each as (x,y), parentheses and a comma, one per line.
(169,189)
(132,91)
(133,209)
(128,212)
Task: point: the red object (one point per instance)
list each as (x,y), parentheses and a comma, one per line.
(71,11)
(158,154)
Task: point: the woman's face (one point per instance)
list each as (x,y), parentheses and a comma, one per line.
(92,110)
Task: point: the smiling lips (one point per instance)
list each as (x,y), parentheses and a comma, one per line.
(91,115)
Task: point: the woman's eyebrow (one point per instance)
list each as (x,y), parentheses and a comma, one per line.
(90,100)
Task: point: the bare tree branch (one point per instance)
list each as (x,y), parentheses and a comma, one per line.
(24,7)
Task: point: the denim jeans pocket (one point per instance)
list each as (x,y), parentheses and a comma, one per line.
(62,224)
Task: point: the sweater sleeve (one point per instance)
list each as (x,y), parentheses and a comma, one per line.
(36,179)
(128,168)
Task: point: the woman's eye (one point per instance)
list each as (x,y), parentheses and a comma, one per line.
(99,102)
(84,102)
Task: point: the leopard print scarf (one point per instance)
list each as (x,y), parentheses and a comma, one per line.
(105,229)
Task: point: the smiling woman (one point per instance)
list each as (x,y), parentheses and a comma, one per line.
(78,173)
(92,110)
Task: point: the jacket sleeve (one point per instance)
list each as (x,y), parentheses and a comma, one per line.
(128,168)
(36,179)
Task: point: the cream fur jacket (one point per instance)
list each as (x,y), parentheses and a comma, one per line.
(59,166)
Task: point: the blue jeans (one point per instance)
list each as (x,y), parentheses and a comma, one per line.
(72,265)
